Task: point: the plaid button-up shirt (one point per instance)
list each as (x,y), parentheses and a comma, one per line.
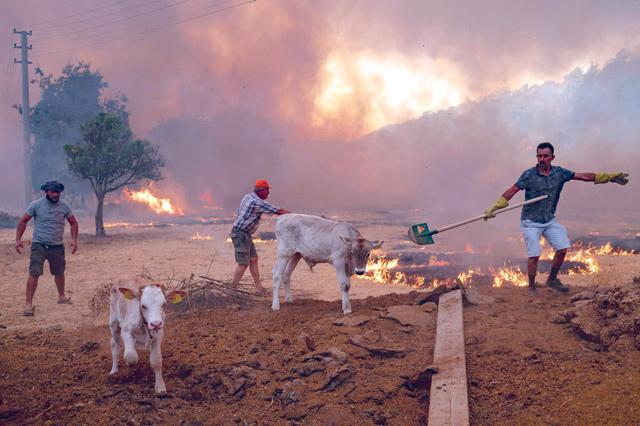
(250,212)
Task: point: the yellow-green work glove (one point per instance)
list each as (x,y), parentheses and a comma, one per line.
(619,178)
(500,203)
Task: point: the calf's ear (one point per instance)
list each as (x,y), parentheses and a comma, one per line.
(128,293)
(376,244)
(176,296)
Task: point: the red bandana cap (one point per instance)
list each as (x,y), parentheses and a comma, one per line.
(261,184)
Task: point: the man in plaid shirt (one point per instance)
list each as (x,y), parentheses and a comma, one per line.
(246,223)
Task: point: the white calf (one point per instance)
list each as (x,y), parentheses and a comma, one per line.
(318,240)
(136,316)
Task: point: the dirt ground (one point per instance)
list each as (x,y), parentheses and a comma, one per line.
(241,363)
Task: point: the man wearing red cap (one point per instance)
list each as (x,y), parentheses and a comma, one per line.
(246,223)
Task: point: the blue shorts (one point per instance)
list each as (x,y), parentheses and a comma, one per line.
(552,231)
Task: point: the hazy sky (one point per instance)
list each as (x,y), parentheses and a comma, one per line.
(302,75)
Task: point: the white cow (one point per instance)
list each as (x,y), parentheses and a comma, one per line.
(318,240)
(136,316)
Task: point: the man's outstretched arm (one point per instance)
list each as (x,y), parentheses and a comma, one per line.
(619,177)
(502,201)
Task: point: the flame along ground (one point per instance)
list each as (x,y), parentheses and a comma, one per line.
(381,269)
(158,205)
(197,236)
(256,240)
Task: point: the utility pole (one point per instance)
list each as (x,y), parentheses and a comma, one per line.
(26,119)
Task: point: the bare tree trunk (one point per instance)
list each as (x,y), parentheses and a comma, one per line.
(99,223)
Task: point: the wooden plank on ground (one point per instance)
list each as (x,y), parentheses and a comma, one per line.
(449,403)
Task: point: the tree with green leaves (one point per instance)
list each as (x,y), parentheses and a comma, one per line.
(110,159)
(66,102)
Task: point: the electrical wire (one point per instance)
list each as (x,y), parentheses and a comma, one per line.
(134,24)
(126,18)
(148,30)
(117,12)
(75,14)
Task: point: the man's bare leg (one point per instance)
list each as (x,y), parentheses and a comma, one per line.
(558,259)
(59,280)
(553,280)
(532,270)
(32,284)
(238,273)
(253,267)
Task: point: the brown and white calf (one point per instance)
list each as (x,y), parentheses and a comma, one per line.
(136,318)
(318,240)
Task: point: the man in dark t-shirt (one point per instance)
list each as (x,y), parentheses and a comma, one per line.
(538,219)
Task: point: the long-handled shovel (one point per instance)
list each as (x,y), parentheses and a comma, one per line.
(421,235)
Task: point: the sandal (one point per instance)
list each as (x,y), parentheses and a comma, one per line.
(29,312)
(65,301)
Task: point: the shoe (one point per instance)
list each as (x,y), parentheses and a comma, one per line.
(29,312)
(65,301)
(533,290)
(557,285)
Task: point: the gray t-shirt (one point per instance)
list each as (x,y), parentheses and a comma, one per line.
(49,220)
(536,184)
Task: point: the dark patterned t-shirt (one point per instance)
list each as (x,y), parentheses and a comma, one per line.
(536,184)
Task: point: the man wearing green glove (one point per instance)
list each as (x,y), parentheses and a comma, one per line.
(539,218)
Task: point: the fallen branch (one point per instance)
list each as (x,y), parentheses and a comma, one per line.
(42,412)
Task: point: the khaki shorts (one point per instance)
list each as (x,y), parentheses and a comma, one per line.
(53,254)
(243,246)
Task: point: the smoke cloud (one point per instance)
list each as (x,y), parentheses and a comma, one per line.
(354,105)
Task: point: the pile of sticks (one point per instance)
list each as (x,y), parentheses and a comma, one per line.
(203,291)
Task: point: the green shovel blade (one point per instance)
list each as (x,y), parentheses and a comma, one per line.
(420,234)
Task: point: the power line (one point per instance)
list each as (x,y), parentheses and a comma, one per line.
(148,30)
(134,24)
(113,13)
(126,18)
(62,18)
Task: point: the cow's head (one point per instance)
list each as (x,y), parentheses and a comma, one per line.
(152,299)
(360,249)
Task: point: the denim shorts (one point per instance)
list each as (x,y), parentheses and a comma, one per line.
(552,231)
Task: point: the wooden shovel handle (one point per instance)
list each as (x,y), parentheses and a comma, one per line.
(476,218)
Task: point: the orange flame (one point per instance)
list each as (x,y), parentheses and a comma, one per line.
(158,205)
(197,236)
(434,261)
(465,277)
(380,269)
(129,225)
(208,199)
(511,274)
(588,256)
(255,240)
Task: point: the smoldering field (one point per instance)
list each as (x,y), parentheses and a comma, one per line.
(172,247)
(239,361)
